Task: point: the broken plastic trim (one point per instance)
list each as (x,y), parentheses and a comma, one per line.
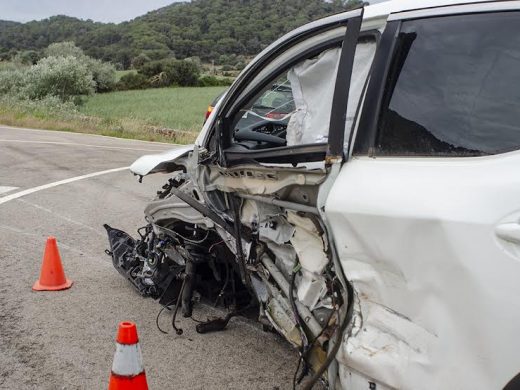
(282,203)
(205,211)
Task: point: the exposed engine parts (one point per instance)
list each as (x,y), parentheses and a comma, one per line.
(243,252)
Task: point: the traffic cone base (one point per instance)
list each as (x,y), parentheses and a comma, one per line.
(37,286)
(120,382)
(52,276)
(127,368)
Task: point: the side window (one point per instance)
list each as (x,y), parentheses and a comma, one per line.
(453,88)
(293,109)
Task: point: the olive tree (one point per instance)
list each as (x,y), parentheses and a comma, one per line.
(103,73)
(64,77)
(64,49)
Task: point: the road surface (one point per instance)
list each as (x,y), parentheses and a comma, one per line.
(68,185)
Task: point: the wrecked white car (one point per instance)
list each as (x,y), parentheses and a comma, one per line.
(373,218)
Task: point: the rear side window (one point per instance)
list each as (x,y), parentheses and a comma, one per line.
(453,88)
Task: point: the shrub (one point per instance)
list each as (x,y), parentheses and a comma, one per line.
(152,68)
(160,80)
(12,81)
(212,81)
(103,73)
(132,81)
(47,106)
(140,60)
(26,57)
(63,49)
(184,73)
(240,65)
(64,77)
(171,72)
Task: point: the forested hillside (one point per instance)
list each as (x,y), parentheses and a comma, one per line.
(212,30)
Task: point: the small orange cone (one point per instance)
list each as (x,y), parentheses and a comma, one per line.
(127,368)
(52,277)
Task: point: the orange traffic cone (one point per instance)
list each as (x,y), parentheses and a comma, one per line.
(127,368)
(52,277)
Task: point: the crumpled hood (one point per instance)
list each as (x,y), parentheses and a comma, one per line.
(160,162)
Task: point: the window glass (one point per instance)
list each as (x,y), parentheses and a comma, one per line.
(292,110)
(295,108)
(453,87)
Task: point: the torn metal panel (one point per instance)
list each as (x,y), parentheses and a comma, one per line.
(268,220)
(308,243)
(311,288)
(285,257)
(259,180)
(171,208)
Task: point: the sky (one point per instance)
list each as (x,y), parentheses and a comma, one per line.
(98,10)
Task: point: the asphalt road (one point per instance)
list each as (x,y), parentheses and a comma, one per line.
(66,340)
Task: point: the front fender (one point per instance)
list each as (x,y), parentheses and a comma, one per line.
(160,162)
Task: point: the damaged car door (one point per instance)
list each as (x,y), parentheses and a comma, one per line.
(240,223)
(425,215)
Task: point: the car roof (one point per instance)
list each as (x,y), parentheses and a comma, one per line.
(387,7)
(375,11)
(374,17)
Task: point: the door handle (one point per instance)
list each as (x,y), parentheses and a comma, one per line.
(509,232)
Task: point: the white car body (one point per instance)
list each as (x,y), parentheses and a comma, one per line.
(430,245)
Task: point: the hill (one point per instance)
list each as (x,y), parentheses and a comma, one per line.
(209,29)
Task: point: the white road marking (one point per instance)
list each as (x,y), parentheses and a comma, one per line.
(57,215)
(77,144)
(4,127)
(4,189)
(19,194)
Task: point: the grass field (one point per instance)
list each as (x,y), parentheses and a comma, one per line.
(174,108)
(165,114)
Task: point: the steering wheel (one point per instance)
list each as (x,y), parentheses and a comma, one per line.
(260,132)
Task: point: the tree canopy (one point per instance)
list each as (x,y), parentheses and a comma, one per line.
(211,30)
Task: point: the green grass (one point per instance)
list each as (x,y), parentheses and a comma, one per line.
(174,108)
(168,114)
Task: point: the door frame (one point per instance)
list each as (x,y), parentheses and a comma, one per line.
(299,153)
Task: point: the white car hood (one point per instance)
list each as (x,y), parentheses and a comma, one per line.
(160,162)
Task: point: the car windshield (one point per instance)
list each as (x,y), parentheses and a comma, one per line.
(277,101)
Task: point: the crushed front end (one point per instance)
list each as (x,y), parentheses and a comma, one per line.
(249,239)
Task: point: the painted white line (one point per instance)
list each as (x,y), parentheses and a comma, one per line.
(84,134)
(76,144)
(19,194)
(65,218)
(4,189)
